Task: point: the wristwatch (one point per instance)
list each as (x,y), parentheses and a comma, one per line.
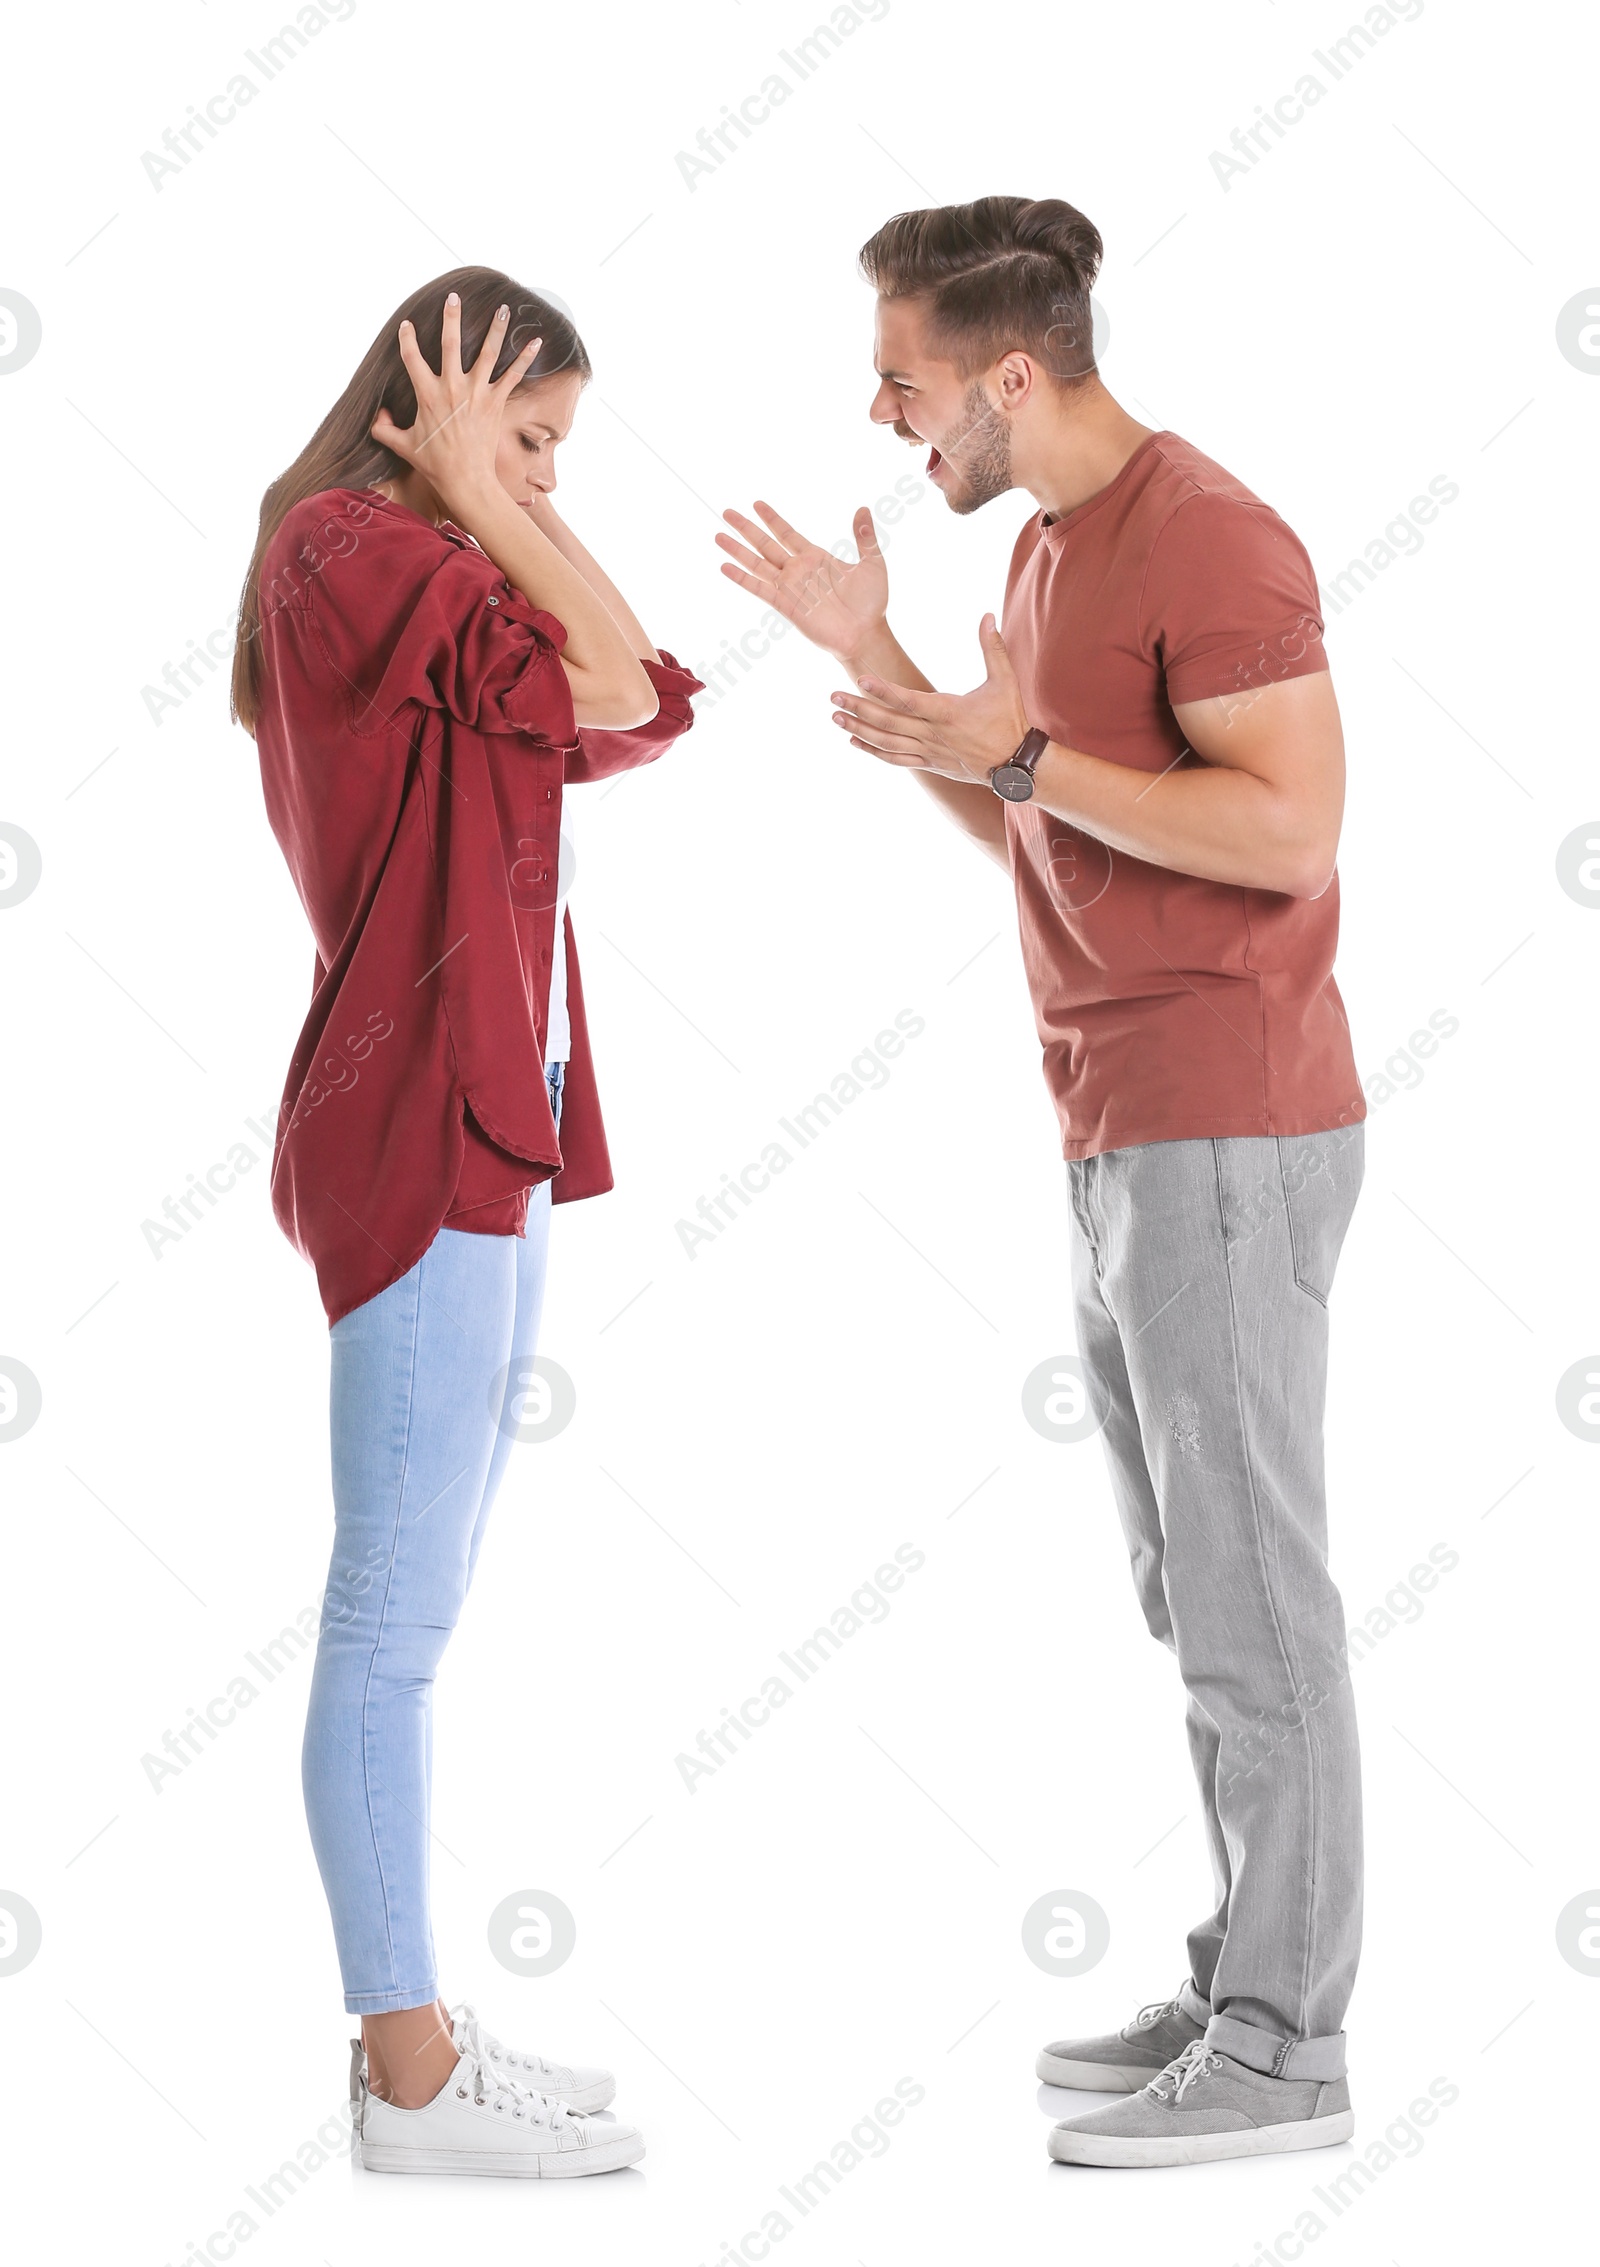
(1014,780)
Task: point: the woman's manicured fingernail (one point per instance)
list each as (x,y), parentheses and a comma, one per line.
(502,314)
(452,299)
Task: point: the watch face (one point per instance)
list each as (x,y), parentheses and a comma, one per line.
(1012,782)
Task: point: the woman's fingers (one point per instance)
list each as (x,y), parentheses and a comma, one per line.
(389,435)
(758,539)
(493,347)
(494,339)
(450,363)
(518,370)
(416,362)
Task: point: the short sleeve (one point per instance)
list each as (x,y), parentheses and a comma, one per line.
(1230,601)
(404,616)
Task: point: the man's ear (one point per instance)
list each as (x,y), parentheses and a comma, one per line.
(1016,378)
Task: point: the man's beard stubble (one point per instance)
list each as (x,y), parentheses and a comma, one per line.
(984,471)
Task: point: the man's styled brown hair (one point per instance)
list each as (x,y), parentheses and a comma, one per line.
(1001,272)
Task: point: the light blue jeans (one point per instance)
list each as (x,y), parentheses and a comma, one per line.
(426,1382)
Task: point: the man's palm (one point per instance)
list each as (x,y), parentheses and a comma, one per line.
(834,602)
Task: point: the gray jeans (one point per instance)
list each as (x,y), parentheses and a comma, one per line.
(1201,1273)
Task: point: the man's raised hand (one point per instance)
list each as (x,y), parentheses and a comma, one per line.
(837,603)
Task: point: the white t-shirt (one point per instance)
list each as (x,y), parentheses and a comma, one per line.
(558,1028)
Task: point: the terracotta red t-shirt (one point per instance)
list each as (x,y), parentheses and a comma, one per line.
(1169,1008)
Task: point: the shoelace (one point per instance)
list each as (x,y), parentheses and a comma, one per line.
(478,2076)
(469,2036)
(1151,2014)
(1195,2060)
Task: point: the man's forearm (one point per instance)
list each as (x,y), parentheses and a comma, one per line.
(978,811)
(1203,819)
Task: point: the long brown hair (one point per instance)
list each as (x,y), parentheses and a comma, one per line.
(341,453)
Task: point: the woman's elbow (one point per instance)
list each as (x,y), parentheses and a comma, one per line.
(615,703)
(615,714)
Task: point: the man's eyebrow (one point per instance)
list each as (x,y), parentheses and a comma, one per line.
(896,377)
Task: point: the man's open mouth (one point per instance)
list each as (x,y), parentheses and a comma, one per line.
(934,462)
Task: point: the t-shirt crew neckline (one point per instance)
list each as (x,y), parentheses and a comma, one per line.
(1054,529)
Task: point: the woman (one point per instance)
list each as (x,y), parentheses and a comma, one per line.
(426,656)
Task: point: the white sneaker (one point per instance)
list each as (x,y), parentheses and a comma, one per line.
(585,2090)
(483,2122)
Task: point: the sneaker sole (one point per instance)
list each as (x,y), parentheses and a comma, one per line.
(1201,2148)
(514,2164)
(1096,2077)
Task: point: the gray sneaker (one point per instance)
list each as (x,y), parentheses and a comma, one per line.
(1123,2062)
(1204,2107)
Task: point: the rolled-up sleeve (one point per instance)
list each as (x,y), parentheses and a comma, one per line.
(1230,600)
(404,618)
(599,753)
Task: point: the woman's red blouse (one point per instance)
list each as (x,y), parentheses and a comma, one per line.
(415,733)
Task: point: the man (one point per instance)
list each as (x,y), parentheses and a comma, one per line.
(1155,753)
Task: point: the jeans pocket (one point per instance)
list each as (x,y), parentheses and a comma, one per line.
(1321,1176)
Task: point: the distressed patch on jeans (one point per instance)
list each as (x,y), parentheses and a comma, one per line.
(1181,1413)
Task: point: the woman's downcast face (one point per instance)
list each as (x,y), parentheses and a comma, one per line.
(536,423)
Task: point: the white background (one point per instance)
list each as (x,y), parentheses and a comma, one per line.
(1374,304)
